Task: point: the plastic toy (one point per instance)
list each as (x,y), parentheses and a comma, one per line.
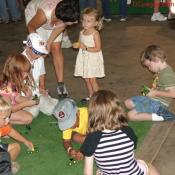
(145,90)
(76,45)
(34,150)
(36,98)
(71,162)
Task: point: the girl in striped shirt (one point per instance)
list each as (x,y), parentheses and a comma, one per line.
(110,141)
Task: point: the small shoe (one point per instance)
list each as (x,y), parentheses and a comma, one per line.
(66,44)
(122,19)
(85,100)
(62,91)
(15,167)
(171,16)
(107,19)
(158,17)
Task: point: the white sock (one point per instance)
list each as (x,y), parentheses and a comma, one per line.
(156,117)
(65,38)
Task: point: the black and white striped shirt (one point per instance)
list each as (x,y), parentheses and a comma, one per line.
(113,151)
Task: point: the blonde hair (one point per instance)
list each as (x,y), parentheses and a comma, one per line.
(151,53)
(95,13)
(4,106)
(14,66)
(105,112)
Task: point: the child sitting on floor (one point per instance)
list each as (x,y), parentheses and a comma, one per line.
(7,130)
(16,78)
(110,141)
(35,52)
(154,106)
(73,122)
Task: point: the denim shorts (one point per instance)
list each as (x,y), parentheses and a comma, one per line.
(144,104)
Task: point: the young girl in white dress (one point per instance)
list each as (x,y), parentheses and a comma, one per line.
(89,64)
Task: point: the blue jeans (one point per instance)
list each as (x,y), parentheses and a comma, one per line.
(12,7)
(106,8)
(87,3)
(123,8)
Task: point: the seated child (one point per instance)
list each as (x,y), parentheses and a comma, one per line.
(7,130)
(110,141)
(154,106)
(35,52)
(73,122)
(16,79)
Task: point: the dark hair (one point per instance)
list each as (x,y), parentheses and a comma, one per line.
(67,11)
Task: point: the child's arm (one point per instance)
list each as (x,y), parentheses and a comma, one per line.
(23,102)
(71,151)
(42,89)
(97,46)
(169,92)
(17,136)
(88,165)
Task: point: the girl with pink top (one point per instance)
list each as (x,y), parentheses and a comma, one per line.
(16,79)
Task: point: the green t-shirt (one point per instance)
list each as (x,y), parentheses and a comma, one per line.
(165,79)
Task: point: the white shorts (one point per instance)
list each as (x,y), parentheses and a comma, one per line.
(45,34)
(143,166)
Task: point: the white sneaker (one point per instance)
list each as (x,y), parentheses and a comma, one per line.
(66,44)
(158,17)
(171,16)
(107,19)
(123,19)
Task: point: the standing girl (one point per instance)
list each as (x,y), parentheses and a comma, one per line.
(89,63)
(15,80)
(110,141)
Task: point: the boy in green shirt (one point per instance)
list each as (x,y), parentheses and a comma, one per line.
(154,106)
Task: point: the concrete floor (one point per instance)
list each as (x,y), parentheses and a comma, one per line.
(122,44)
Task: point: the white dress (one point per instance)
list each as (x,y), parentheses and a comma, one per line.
(89,64)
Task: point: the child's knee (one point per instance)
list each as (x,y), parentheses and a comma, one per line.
(129,103)
(15,147)
(28,118)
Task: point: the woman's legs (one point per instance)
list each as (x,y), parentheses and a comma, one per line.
(58,61)
(3,10)
(14,10)
(21,118)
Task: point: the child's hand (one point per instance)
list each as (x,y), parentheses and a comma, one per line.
(43,91)
(76,45)
(83,46)
(30,103)
(30,145)
(72,153)
(79,156)
(152,93)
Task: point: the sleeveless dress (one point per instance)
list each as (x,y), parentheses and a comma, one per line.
(89,64)
(47,7)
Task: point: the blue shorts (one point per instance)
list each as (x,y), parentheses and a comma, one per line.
(144,104)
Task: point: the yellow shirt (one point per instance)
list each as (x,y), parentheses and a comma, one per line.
(83,123)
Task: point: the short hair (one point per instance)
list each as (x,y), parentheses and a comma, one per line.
(105,112)
(151,53)
(95,13)
(4,106)
(67,11)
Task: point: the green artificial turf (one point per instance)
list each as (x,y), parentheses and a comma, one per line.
(52,158)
